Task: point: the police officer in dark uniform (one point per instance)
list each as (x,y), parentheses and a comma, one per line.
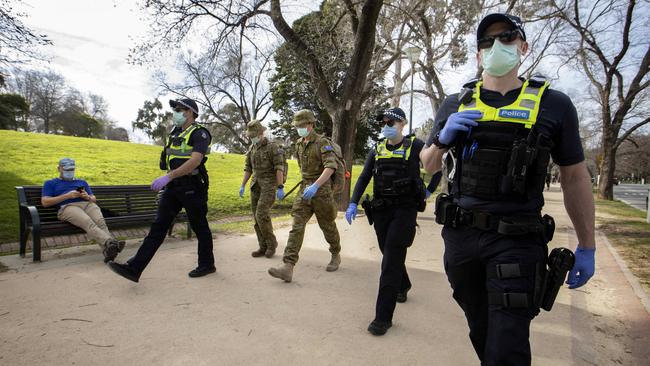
(398,194)
(496,138)
(185,186)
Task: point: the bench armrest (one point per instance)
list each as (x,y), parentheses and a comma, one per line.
(33,213)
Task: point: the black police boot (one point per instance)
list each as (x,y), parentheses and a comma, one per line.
(379,328)
(201,271)
(124,270)
(401,296)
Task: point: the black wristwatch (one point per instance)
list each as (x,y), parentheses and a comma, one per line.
(281,186)
(436,141)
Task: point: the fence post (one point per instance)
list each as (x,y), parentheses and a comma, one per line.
(647,207)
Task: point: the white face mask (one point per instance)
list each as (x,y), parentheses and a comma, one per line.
(67,174)
(255,139)
(500,59)
(178,118)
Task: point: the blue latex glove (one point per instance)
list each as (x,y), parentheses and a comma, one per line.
(160,183)
(310,191)
(427,193)
(583,269)
(351,212)
(459,121)
(241,191)
(280,194)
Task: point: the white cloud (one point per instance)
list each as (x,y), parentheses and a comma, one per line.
(91,44)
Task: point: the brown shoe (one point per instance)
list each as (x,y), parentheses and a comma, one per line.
(110,250)
(258,253)
(270,252)
(333,265)
(284,272)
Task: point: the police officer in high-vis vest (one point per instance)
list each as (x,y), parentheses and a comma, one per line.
(185,186)
(398,195)
(496,138)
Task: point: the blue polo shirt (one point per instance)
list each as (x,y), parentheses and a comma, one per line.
(57,186)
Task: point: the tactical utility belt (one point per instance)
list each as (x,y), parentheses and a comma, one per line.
(199,175)
(449,213)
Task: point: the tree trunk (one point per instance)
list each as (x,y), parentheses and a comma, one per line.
(344,133)
(607,168)
(397,84)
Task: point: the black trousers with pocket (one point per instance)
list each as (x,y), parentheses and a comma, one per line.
(395,229)
(192,195)
(498,333)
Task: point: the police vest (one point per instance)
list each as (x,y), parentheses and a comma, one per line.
(391,174)
(503,158)
(179,148)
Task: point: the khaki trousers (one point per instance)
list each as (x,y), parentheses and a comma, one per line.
(88,217)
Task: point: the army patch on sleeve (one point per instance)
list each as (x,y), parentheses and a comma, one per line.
(328,148)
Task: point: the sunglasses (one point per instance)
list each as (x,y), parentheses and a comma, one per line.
(505,37)
(388,122)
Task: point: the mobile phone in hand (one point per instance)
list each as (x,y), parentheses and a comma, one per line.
(80,189)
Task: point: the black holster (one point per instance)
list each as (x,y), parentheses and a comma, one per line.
(560,261)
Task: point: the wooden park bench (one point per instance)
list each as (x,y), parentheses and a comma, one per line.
(122,206)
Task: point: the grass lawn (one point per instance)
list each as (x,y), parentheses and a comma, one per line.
(31,159)
(627,230)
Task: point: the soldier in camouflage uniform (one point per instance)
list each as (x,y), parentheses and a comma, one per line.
(317,164)
(265,162)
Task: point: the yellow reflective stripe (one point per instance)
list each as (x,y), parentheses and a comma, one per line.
(176,152)
(524,110)
(184,150)
(383,153)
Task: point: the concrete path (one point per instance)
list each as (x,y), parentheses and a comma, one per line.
(71,310)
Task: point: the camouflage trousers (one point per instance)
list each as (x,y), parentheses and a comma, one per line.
(262,199)
(323,206)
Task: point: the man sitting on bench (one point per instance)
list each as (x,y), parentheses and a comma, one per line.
(76,204)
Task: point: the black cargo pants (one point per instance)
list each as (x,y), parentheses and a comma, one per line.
(395,229)
(498,333)
(191,194)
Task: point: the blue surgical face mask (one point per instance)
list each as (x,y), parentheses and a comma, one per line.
(500,59)
(389,132)
(67,174)
(179,119)
(302,131)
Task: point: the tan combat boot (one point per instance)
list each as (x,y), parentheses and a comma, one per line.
(284,272)
(333,265)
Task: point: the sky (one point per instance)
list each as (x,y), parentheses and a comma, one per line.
(91,44)
(92,41)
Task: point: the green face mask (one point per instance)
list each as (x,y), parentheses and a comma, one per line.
(179,118)
(500,59)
